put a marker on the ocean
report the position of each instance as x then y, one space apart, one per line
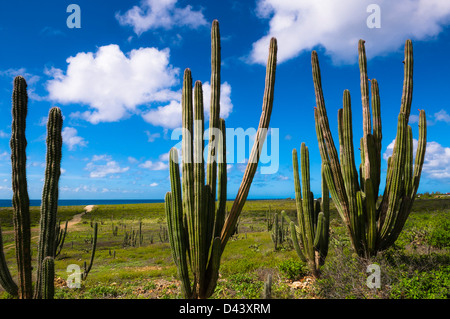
85 202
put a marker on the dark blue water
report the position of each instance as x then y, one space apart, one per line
84 202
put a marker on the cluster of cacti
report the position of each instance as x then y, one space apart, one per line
198 231
21 215
278 231
373 226
163 234
311 235
269 219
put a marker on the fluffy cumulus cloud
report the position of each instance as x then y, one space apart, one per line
338 25
169 116
114 84
437 159
72 139
165 14
103 165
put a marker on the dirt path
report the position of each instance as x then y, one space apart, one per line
70 225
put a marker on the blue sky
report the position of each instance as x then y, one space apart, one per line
118 78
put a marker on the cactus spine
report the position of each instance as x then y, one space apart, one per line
21 215
198 231
311 236
372 227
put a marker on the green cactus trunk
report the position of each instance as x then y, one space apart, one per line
197 228
21 200
311 236
372 226
49 205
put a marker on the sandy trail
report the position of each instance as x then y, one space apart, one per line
70 225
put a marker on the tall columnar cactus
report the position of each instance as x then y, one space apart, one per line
20 201
21 212
373 226
49 204
311 235
198 230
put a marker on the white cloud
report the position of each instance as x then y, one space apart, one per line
154 166
154 14
437 159
169 116
31 79
154 184
132 160
442 116
338 25
70 137
108 166
112 83
151 137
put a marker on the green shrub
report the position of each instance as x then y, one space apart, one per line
423 285
246 285
293 269
440 235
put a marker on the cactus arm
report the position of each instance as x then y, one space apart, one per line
420 154
377 134
215 108
409 198
222 181
367 127
407 80
397 186
188 162
199 218
294 236
20 200
329 152
298 199
261 133
307 204
349 172
212 273
176 225
371 217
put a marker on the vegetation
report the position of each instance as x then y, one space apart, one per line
412 268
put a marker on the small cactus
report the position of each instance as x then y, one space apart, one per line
311 236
